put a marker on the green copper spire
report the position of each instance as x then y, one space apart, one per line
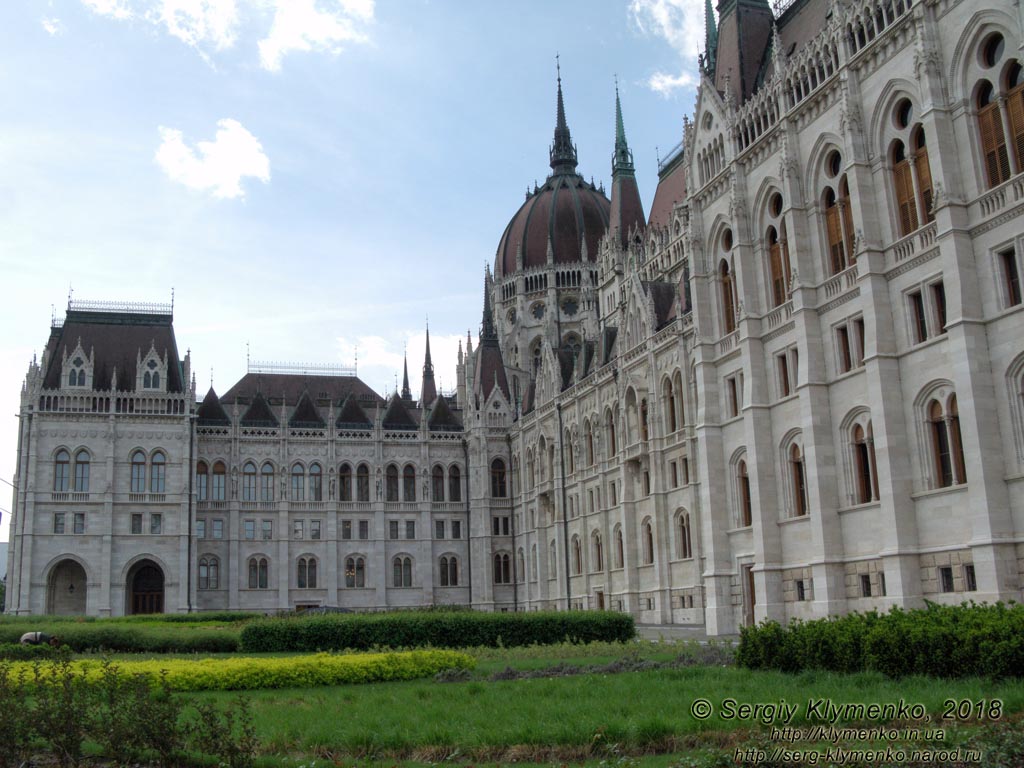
622 162
710 37
563 153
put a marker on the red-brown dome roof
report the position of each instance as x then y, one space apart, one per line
567 211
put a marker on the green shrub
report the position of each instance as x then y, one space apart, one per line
438 629
130 637
939 640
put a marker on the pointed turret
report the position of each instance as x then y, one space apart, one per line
490 367
710 38
563 153
627 211
428 391
406 392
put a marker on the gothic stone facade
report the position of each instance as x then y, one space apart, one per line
795 389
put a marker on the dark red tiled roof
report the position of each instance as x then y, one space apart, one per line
441 417
490 368
664 297
352 416
397 415
306 415
290 387
259 413
211 411
115 339
627 212
671 190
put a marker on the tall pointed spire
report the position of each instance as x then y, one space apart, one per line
710 37
563 153
622 162
487 330
406 392
428 391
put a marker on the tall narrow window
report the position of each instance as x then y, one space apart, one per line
834 230
402 576
363 483
685 537
782 360
1011 277
746 511
157 473
219 482
993 141
316 483
940 445
648 542
906 205
939 300
577 558
267 482
82 471
956 445
138 472
670 408
796 463
619 550
918 318
202 481
437 484
355 572
62 471
409 483
863 466
454 484
298 483
728 297
498 489
391 483
306 576
598 552
843 343
778 274
1015 109
924 174
345 482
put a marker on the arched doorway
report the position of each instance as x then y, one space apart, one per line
65 589
145 588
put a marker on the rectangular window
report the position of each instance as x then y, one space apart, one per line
614 496
1011 277
58 522
250 529
970 580
218 528
858 342
946 578
843 341
732 395
439 529
686 471
647 483
456 529
782 363
881 583
939 297
495 526
505 526
136 523
801 594
865 585
364 529
314 530
200 528
392 529
297 529
218 485
673 469
266 530
919 324
79 522
346 529
410 529
201 480
155 522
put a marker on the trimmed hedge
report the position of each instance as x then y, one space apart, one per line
247 673
134 637
939 640
221 617
457 629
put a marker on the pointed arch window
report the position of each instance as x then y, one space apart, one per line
746 511
796 467
437 484
448 568
648 542
993 140
355 572
209 572
316 483
306 576
577 556
728 297
520 573
345 482
402 571
685 536
267 482
866 480
391 483
298 483
498 486
259 571
598 547
619 548
502 568
62 471
409 483
138 484
158 473
249 481
202 481
219 490
454 484
903 181
363 483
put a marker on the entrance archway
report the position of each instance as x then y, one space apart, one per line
145 588
65 589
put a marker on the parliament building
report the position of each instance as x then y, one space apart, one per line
792 387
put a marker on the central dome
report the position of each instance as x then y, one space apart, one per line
566 216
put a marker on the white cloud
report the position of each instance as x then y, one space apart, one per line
299 25
680 23
199 22
380 359
119 9
52 26
216 166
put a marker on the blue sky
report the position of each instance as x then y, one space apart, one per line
309 176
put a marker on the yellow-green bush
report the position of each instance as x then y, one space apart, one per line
250 673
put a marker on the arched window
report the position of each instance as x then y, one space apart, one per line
62 471
777 248
956 444
409 483
138 472
1014 87
448 567
437 484
520 566
610 424
267 482
838 214
258 573
502 569
157 473
577 556
249 482
391 483
202 481
298 483
940 445
306 578
533 562
363 483
993 140
345 482
685 542
219 481
355 572
903 181
316 483
209 572
648 542
402 568
746 511
598 551
728 297
796 467
552 560
454 484
866 481
82 471
498 489
619 549
643 420
671 424
925 193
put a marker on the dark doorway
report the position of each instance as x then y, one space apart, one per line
146 588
